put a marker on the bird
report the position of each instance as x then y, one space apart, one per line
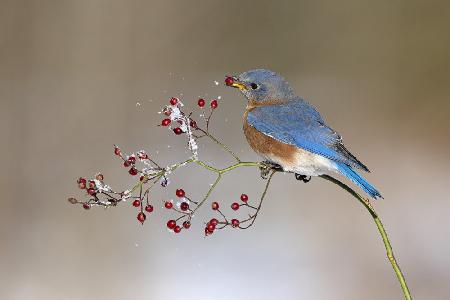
288 132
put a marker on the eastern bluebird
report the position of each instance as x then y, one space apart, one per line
288 131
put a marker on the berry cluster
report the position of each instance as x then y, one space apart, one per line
185 207
214 224
174 113
151 173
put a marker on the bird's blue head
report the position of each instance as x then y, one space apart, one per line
262 87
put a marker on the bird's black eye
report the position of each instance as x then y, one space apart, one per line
254 86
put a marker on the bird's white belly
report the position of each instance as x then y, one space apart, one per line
305 163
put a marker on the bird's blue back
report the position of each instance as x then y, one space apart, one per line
298 123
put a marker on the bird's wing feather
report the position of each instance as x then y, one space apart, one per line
298 123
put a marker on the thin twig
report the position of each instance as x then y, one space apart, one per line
253 217
382 231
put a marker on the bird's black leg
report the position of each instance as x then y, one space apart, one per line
266 167
303 178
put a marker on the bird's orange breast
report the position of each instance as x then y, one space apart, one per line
267 146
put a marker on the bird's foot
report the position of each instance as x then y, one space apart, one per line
265 168
303 178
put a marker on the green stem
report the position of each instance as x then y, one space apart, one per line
382 231
208 193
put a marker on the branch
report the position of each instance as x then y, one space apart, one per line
100 194
381 230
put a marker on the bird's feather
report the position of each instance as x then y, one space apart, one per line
298 123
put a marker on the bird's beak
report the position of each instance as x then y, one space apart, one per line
234 82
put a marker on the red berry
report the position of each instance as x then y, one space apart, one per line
142 155
86 206
173 101
244 198
214 104
81 183
186 224
171 224
133 171
177 131
184 206
149 208
214 222
193 124
235 223
201 102
229 81
215 206
180 193
131 159
208 230
117 150
168 204
167 111
91 184
235 206
126 163
165 122
211 228
91 191
177 229
141 217
99 177
136 203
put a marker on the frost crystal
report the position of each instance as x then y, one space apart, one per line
178 116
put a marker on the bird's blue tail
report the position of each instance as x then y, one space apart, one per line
359 180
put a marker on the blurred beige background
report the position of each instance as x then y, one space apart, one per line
71 73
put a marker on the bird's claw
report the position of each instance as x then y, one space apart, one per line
265 168
303 178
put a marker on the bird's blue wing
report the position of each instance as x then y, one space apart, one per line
298 123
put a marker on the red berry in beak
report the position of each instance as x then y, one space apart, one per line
229 81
